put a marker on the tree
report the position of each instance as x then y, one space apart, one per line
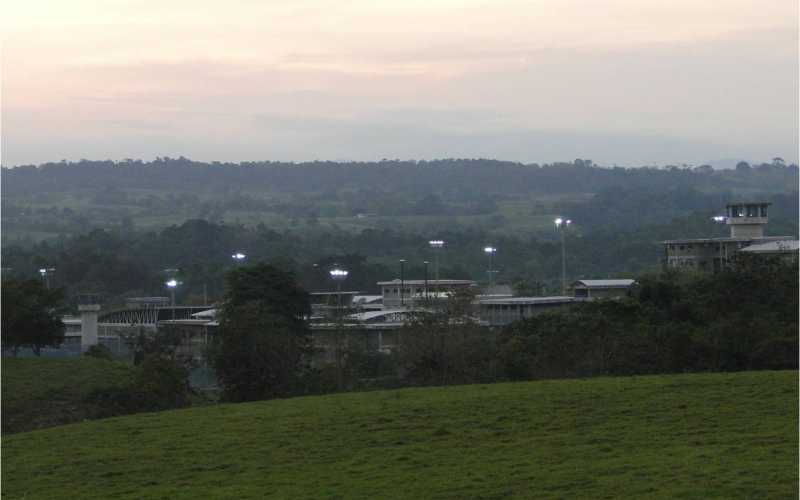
263 342
31 316
447 346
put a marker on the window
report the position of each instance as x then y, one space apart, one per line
763 210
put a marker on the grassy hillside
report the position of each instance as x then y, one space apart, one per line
41 392
687 436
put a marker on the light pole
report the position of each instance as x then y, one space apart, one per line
172 285
338 275
561 225
45 272
719 219
402 282
491 251
426 282
437 246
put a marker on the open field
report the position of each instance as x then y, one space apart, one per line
686 436
43 392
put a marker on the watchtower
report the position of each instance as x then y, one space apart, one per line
747 220
89 307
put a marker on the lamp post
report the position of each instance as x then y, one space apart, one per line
491 251
437 246
561 225
45 272
426 282
402 282
172 285
338 275
719 219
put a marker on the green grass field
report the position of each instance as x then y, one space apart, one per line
686 436
41 392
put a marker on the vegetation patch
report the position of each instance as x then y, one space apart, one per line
679 436
44 392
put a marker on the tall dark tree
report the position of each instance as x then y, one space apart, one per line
31 316
264 343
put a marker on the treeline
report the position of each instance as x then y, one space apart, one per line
125 262
744 318
450 177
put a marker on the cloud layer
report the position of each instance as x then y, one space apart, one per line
628 82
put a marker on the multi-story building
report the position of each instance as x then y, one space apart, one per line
746 221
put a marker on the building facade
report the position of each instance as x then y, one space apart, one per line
746 222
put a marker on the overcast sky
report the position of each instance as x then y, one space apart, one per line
627 82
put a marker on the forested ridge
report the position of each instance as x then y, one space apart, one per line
456 175
113 227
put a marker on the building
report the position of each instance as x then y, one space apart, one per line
498 312
410 293
785 249
602 289
746 222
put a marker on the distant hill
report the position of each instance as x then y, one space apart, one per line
684 436
435 176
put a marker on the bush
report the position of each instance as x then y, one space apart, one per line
160 383
100 352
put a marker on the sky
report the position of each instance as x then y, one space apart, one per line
627 82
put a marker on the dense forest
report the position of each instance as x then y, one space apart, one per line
113 227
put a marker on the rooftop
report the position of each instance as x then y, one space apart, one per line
529 300
774 247
620 283
727 239
430 282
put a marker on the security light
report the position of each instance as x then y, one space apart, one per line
338 274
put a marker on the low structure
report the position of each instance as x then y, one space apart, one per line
498 312
411 293
602 289
785 249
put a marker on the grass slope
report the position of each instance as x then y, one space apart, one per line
42 392
686 436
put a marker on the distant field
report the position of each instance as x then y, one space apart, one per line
42 392
687 436
523 215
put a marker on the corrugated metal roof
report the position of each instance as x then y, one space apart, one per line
605 283
367 299
774 247
430 282
366 316
209 313
528 300
724 239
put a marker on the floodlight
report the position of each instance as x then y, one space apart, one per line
338 274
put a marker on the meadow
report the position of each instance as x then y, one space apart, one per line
680 436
